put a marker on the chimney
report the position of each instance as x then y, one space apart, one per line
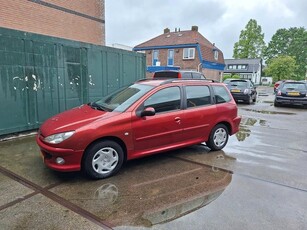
166 30
194 28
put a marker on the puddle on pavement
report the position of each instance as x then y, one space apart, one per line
150 191
244 131
268 112
22 156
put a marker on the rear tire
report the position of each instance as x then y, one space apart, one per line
218 137
276 104
103 159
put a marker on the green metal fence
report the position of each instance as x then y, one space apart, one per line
41 76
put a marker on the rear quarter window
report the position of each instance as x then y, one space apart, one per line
221 94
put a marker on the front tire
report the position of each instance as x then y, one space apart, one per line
218 137
249 100
103 159
255 98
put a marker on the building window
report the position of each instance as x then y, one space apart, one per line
230 67
170 57
155 57
216 54
188 53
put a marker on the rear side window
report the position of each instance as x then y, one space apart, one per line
186 75
198 96
198 76
221 94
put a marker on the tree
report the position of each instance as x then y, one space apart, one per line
281 67
290 42
251 42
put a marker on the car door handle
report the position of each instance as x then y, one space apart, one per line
178 120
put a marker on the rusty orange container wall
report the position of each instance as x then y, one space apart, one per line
41 76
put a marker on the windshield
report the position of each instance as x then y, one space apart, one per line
121 99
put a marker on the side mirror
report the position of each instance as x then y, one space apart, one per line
149 111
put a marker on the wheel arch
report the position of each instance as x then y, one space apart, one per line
227 124
107 138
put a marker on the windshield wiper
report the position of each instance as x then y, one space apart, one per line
96 106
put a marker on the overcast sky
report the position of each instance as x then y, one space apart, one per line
131 22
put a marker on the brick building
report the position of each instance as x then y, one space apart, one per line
77 20
183 50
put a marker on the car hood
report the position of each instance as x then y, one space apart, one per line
72 119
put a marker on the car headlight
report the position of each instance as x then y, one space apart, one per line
59 137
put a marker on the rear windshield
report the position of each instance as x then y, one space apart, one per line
166 74
238 84
294 86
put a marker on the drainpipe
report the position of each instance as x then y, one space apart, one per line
198 67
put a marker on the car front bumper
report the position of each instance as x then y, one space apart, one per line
49 154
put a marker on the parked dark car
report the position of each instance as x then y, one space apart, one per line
183 74
145 118
291 93
243 90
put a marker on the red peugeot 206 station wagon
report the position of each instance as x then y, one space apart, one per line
145 118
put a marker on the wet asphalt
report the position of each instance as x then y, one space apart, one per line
258 181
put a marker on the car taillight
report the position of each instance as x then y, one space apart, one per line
179 75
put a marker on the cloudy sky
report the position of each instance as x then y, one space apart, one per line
131 22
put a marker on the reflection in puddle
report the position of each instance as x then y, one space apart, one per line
244 131
268 112
147 194
107 192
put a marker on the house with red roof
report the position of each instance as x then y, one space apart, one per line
187 50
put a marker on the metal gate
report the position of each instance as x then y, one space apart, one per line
41 76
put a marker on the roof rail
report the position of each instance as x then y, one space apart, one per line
143 79
185 79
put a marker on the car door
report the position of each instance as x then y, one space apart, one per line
200 113
163 129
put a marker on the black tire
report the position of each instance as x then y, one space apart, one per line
103 159
255 98
276 104
249 100
218 137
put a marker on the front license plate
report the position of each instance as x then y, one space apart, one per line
293 93
235 90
